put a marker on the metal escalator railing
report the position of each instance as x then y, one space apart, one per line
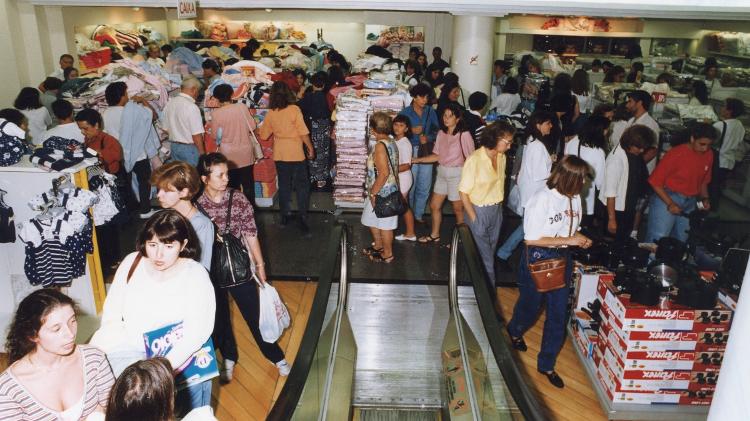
465 262
334 267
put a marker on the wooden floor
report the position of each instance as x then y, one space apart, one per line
256 382
577 400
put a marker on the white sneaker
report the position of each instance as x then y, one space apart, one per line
284 368
226 373
402 237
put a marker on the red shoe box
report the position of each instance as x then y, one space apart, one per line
685 397
632 341
630 316
665 380
663 360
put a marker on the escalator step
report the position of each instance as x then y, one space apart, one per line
384 414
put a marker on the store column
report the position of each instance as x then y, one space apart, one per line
472 55
730 399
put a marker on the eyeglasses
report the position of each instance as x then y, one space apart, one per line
506 141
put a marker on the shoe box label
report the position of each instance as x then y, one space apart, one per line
630 317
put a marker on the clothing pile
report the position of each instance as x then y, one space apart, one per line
58 153
250 80
58 239
351 148
89 92
110 202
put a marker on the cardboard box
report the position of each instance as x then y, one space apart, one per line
728 299
631 341
585 338
666 380
636 317
587 282
685 397
663 360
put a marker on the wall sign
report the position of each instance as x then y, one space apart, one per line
187 9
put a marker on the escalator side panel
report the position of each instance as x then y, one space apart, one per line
342 385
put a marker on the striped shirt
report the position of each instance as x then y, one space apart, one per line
17 404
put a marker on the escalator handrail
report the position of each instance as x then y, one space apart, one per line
288 398
522 395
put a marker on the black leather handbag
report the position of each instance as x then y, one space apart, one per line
393 204
230 263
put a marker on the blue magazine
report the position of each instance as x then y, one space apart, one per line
200 367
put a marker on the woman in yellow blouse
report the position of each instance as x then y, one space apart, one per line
482 191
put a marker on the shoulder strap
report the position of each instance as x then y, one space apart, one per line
461 144
133 266
579 148
390 164
723 133
229 211
570 205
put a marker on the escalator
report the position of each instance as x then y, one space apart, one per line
377 352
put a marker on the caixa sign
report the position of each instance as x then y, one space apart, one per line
187 9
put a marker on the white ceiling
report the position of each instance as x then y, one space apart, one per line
663 9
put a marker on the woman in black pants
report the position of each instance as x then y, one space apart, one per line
214 173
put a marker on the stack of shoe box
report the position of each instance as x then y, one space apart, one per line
667 354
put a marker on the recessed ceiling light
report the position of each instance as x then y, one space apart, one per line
269 10
136 8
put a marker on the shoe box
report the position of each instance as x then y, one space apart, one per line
585 338
624 342
610 384
629 316
659 380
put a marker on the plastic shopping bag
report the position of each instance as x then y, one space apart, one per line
274 317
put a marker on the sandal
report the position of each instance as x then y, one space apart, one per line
378 258
369 251
428 239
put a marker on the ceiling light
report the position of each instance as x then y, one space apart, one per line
269 10
136 8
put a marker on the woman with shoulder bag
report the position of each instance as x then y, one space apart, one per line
454 143
382 183
236 125
160 284
218 202
550 225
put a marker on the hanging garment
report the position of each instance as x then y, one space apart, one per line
48 261
7 227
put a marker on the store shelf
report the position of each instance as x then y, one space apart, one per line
280 41
635 411
716 53
398 43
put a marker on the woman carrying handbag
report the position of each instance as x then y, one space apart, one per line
550 224
384 200
233 214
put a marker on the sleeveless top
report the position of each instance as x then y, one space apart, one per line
391 183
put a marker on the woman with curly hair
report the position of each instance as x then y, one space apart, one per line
50 377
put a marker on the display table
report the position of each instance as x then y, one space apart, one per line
22 182
618 411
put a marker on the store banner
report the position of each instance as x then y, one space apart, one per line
187 9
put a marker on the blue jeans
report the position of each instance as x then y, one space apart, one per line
510 244
662 223
526 311
193 397
185 152
420 191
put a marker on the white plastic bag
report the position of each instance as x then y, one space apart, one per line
274 317
514 200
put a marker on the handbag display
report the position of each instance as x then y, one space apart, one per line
394 204
549 274
230 263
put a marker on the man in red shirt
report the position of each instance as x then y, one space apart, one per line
680 181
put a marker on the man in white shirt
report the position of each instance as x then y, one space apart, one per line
730 147
66 60
66 128
183 122
637 104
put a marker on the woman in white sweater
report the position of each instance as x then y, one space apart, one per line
159 284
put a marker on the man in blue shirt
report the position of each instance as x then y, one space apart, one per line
424 128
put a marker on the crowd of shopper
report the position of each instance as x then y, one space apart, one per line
576 170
